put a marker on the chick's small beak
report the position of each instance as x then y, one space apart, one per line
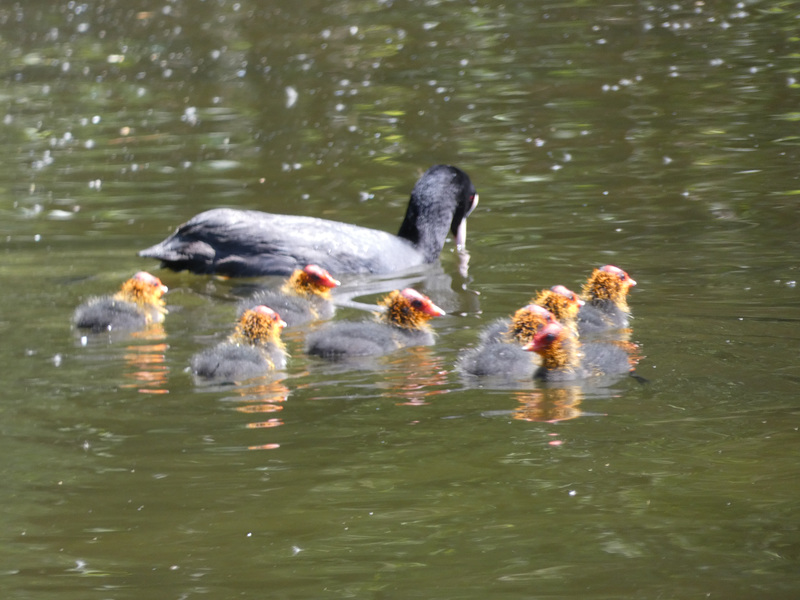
434 311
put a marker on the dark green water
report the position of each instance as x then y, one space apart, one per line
662 137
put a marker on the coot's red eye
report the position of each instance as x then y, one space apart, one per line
473 202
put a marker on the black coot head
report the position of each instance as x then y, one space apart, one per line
467 198
440 201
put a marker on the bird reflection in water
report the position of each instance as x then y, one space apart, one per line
148 373
261 400
549 405
415 375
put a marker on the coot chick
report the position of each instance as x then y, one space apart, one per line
606 305
244 243
254 349
563 304
403 322
306 296
138 303
500 352
564 358
560 304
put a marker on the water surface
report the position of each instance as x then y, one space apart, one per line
661 137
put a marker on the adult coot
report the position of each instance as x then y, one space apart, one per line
242 243
138 303
254 349
564 358
306 296
403 322
606 308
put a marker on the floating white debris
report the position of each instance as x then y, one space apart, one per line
190 115
291 96
223 165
